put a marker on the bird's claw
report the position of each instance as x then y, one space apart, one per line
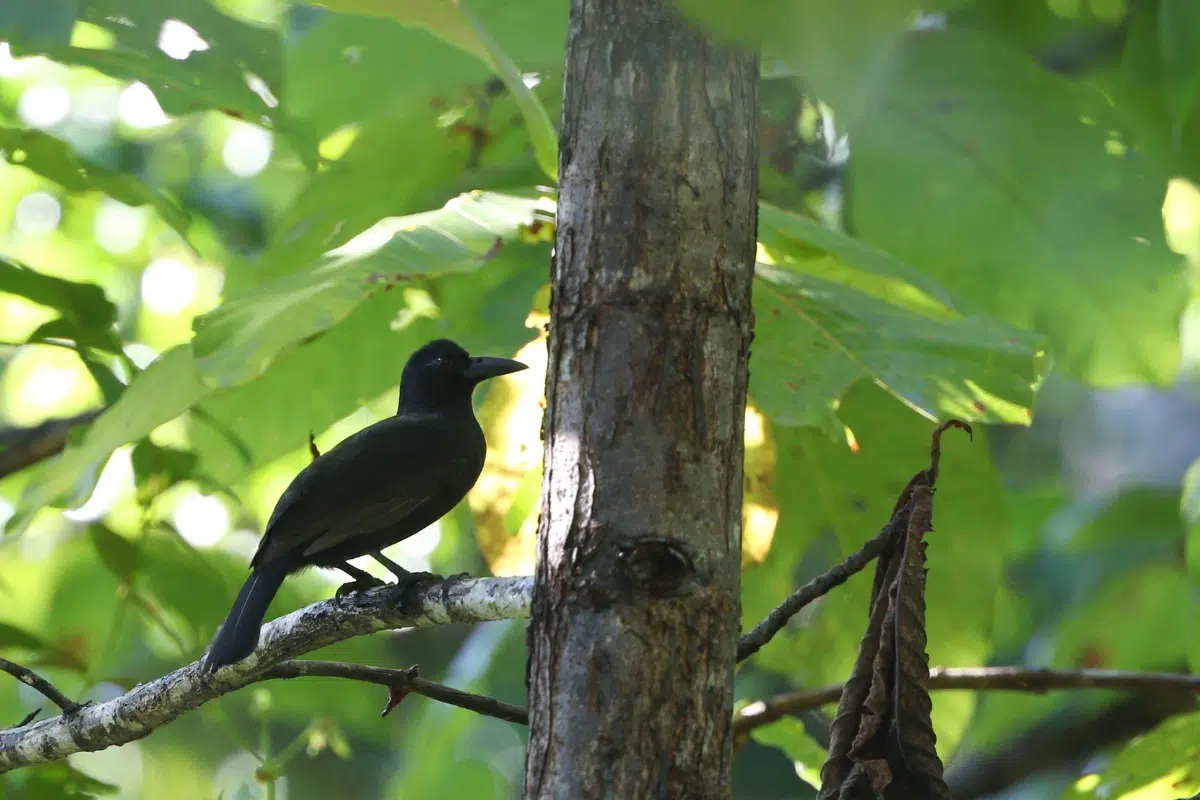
356 586
402 591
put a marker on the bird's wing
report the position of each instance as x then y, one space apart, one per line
371 480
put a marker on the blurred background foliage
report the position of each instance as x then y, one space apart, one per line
227 224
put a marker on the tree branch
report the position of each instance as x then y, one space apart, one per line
399 679
45 687
147 707
1012 679
1065 738
24 447
819 586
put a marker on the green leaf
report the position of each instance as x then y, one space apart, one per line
121 556
1151 97
240 339
1190 510
12 636
161 392
1179 41
106 380
229 65
1162 763
445 62
469 31
1013 187
788 734
833 499
156 469
60 781
842 49
56 160
183 583
367 184
368 53
423 40
1142 619
82 305
798 241
813 339
314 385
541 131
48 22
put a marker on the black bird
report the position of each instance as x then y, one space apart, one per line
375 488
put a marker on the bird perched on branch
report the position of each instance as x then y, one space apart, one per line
375 488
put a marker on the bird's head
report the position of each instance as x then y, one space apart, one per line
441 376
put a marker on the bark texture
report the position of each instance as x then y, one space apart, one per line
148 706
636 599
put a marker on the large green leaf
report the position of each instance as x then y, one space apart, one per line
842 49
81 305
809 246
307 389
373 180
222 64
167 388
44 22
1014 187
789 735
1190 510
393 67
470 30
542 133
1141 619
434 45
238 340
314 385
56 781
814 338
446 54
833 499
1179 42
1164 762
56 160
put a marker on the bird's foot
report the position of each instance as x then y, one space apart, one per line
403 591
357 585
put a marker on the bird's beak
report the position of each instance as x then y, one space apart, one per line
483 368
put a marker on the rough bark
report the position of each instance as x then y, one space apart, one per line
636 599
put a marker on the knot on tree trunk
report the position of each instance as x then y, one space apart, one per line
656 566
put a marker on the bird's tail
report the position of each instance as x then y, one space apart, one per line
238 634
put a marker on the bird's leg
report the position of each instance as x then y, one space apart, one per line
400 572
362 579
406 581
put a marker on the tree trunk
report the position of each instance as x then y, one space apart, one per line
636 603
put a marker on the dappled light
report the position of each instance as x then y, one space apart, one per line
37 213
247 150
227 225
168 286
44 105
139 108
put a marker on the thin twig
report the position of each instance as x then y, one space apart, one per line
819 586
24 447
43 686
835 576
1009 679
400 678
